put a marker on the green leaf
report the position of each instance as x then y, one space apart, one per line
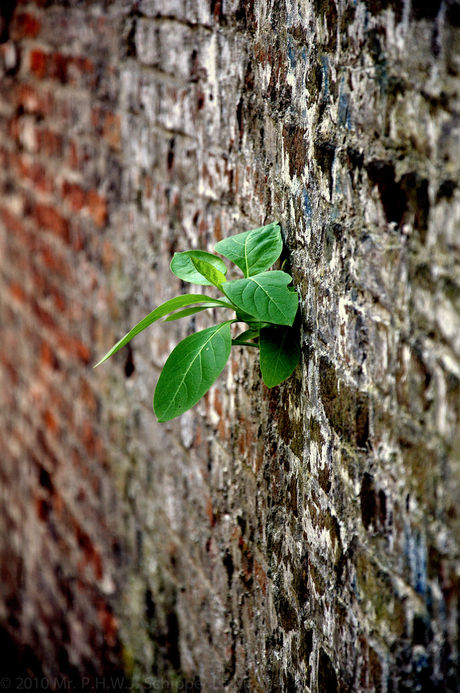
241 316
265 296
213 303
243 338
253 251
279 354
209 272
183 267
160 312
190 370
248 334
187 312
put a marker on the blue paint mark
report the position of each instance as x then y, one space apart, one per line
422 564
307 206
421 663
344 114
292 56
416 555
338 185
325 62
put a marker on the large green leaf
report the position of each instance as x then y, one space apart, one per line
279 354
165 308
265 296
253 251
190 370
209 272
183 267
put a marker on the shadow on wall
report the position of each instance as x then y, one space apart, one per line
17 663
6 13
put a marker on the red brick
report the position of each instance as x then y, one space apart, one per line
217 403
57 67
73 159
48 218
24 25
74 347
36 173
50 421
55 262
97 117
43 509
17 291
47 356
111 130
109 625
94 445
38 63
218 229
43 315
32 101
14 129
88 396
12 222
74 195
107 124
261 576
49 142
97 560
108 255
59 302
148 186
9 368
78 70
4 157
97 206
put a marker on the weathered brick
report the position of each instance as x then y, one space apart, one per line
24 25
111 130
38 63
33 101
97 206
35 172
49 142
74 195
50 219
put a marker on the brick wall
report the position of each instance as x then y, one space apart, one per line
60 553
303 538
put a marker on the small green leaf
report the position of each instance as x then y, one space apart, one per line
213 303
160 312
279 354
190 370
186 313
209 272
253 251
183 267
248 334
244 338
265 296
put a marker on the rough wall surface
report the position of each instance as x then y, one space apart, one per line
303 538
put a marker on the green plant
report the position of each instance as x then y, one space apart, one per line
262 299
